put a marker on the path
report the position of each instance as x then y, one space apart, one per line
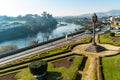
93 67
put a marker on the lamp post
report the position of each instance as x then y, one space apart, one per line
94 20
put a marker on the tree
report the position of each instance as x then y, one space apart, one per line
33 43
112 34
8 48
38 67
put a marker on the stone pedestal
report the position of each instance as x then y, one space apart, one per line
95 48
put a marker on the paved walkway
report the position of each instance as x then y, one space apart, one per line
80 49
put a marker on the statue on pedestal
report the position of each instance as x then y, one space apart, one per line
94 20
94 47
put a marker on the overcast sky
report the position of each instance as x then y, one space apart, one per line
56 7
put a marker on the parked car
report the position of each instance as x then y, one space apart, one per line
117 31
88 31
97 29
105 31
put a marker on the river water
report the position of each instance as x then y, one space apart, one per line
55 33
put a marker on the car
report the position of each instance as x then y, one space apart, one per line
88 32
105 31
97 29
117 31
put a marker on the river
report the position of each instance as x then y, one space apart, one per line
55 33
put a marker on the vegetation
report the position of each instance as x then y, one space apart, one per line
114 25
117 19
85 21
38 67
49 55
107 39
46 54
22 63
112 34
99 68
111 67
25 74
28 26
8 48
54 73
86 68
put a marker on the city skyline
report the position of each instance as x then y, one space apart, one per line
56 7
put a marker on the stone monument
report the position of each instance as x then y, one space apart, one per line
94 47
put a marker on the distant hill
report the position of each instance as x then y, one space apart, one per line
104 14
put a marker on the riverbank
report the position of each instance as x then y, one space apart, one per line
23 42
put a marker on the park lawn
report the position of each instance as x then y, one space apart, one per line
53 73
105 38
111 67
114 25
20 63
53 52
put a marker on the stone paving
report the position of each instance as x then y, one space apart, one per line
110 50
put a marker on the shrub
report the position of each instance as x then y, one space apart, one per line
112 34
8 48
38 67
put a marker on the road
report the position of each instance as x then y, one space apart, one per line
43 48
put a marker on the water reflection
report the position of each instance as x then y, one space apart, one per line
56 33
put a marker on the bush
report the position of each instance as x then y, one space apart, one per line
112 34
8 48
38 67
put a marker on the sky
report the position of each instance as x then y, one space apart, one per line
56 7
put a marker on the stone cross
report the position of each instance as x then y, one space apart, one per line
94 20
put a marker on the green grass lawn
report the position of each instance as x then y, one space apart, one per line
111 67
114 25
53 73
53 52
105 38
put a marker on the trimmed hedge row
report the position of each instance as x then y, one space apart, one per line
46 54
100 67
39 44
18 67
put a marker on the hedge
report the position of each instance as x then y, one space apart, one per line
53 52
38 67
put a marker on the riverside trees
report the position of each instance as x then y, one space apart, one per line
36 23
33 24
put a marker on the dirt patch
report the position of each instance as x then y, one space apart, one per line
107 36
63 63
8 77
116 39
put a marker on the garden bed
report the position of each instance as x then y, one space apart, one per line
63 63
107 39
8 77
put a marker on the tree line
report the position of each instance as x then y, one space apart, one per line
36 23
45 23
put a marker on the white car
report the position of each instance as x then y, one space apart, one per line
97 29
117 31
88 32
